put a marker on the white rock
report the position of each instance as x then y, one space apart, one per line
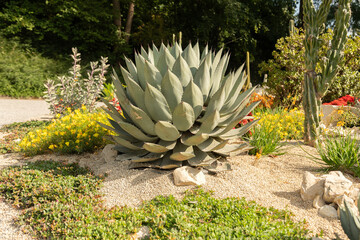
311 186
108 153
353 192
186 175
318 201
335 185
328 211
143 233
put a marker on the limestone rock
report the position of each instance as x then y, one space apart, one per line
311 186
186 175
108 153
335 185
328 211
318 201
353 192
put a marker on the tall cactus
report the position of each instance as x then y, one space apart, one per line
316 84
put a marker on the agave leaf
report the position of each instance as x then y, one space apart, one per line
204 52
122 149
218 166
190 57
242 99
132 69
191 140
146 158
193 96
155 53
197 50
237 132
152 75
167 163
182 70
233 149
127 144
182 152
113 113
234 93
215 62
136 133
172 89
202 79
210 122
201 159
242 114
165 62
166 131
160 147
144 53
176 50
140 65
215 104
217 76
156 104
119 131
183 116
211 144
134 90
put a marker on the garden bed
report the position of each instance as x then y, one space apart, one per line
271 182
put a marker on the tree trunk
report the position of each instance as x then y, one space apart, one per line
301 15
117 16
129 20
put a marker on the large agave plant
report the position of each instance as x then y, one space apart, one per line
179 107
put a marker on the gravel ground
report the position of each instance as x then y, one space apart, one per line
271 182
21 110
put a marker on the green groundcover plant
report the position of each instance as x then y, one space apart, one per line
61 201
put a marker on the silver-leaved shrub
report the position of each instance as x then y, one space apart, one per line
73 90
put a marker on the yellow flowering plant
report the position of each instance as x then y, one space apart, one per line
287 123
75 132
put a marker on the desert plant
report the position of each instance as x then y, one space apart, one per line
315 83
76 132
179 108
350 221
339 152
73 91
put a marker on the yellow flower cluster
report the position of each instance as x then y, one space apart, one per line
76 132
288 124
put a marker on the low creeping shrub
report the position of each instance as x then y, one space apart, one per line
80 215
76 132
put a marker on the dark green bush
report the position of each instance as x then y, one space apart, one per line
23 71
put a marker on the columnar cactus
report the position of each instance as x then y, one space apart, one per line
179 107
316 84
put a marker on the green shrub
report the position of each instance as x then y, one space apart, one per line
339 153
76 132
23 71
65 205
286 69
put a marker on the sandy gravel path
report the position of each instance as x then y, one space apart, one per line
21 110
